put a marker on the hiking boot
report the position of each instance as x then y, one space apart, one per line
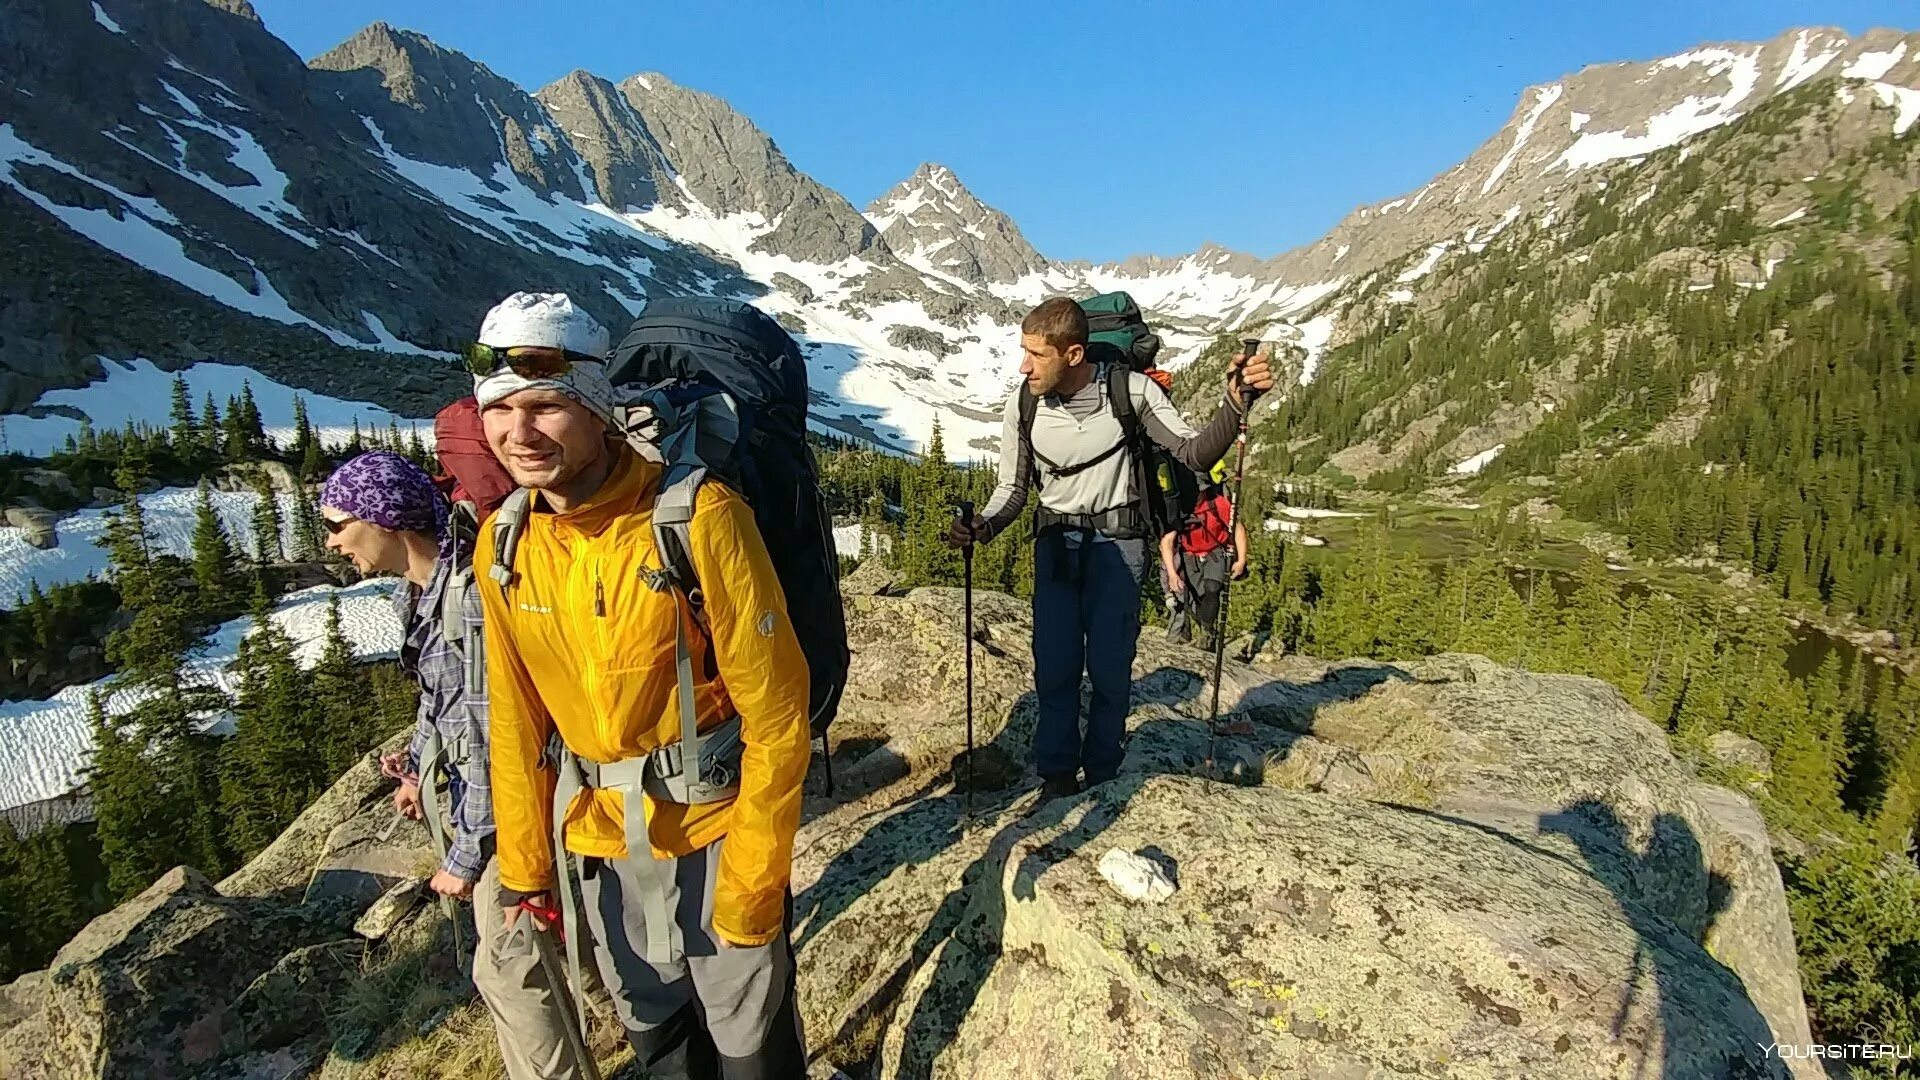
1058 787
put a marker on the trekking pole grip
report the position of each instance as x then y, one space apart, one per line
1249 348
965 514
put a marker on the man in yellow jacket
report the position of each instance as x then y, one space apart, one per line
691 933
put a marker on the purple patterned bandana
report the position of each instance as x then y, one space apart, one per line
386 489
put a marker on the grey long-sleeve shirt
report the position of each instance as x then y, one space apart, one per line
1081 427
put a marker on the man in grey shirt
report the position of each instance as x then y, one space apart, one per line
1092 526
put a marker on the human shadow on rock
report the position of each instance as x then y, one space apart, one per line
1708 1026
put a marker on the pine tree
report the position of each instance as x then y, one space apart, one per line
43 900
270 769
304 439
252 427
186 430
214 572
308 544
236 438
338 698
267 541
211 426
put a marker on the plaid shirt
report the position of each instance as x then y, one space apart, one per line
444 702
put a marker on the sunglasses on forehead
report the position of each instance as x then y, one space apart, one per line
526 361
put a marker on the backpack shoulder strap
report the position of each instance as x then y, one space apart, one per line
1120 400
509 523
1029 404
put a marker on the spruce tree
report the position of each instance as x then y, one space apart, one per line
304 439
236 436
338 698
308 544
211 427
214 570
267 542
185 429
252 427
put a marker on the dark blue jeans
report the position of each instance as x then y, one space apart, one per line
1086 618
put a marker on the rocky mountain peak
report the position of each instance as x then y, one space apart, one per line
434 104
935 223
728 165
609 136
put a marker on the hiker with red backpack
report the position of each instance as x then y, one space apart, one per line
382 512
1082 434
1200 557
653 704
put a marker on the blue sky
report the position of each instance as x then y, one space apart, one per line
1103 129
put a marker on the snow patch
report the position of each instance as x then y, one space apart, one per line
1342 252
1474 464
1691 116
1400 296
100 17
1308 513
48 744
1577 121
1795 216
1874 65
1426 265
1543 100
1801 65
1905 99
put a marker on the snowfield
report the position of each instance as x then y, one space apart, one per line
45 746
169 515
139 392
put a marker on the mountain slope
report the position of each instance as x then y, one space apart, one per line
1710 352
329 223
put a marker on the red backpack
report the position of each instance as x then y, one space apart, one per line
469 473
1207 527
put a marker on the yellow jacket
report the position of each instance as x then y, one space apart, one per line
580 642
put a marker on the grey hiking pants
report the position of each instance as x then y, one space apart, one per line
716 1011
525 991
1206 580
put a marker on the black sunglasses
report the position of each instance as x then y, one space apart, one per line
334 525
526 361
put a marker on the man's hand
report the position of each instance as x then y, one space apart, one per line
406 801
511 913
452 885
1176 585
1253 373
961 533
1239 568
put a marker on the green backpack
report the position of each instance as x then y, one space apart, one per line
1116 331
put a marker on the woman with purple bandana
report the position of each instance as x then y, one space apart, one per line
383 512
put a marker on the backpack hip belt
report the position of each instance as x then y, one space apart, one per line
1118 523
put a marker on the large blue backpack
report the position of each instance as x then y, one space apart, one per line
716 391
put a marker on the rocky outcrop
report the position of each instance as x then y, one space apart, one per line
159 986
1445 859
1439 866
36 526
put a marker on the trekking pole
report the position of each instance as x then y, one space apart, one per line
1248 348
966 555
